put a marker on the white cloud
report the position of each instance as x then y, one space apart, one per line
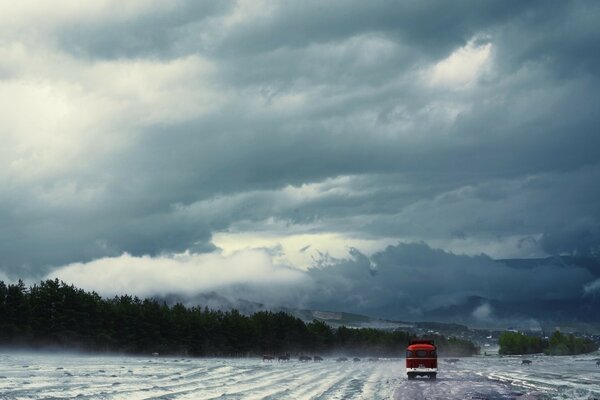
63 113
462 67
184 273
291 248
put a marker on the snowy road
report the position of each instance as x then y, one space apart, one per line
37 376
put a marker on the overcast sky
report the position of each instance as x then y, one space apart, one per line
189 145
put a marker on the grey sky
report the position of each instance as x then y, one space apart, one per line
156 129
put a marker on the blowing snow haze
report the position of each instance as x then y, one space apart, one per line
409 160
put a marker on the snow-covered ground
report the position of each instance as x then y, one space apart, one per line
54 376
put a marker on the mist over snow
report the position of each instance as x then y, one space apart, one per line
370 157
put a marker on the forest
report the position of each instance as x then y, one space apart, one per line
559 344
52 314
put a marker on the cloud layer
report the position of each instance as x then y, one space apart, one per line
185 273
170 128
408 281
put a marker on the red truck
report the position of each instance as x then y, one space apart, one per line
421 359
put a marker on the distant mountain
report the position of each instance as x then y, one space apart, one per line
215 301
582 311
577 312
334 319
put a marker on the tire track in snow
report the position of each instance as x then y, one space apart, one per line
341 389
255 386
315 387
292 388
215 381
39 376
383 381
454 386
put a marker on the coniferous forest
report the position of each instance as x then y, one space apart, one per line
52 314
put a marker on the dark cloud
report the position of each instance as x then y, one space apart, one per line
433 27
562 37
321 118
579 238
414 281
151 33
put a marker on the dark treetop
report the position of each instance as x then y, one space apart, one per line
54 314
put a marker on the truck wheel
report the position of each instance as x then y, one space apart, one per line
411 376
433 377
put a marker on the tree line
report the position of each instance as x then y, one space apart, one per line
558 344
54 314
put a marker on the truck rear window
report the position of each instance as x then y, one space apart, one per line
420 354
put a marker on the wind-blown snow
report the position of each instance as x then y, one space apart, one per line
42 376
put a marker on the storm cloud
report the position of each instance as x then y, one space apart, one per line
413 280
203 128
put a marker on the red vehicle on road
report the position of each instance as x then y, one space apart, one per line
421 359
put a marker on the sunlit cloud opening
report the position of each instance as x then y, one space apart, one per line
463 67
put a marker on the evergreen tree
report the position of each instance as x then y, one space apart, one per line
53 313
